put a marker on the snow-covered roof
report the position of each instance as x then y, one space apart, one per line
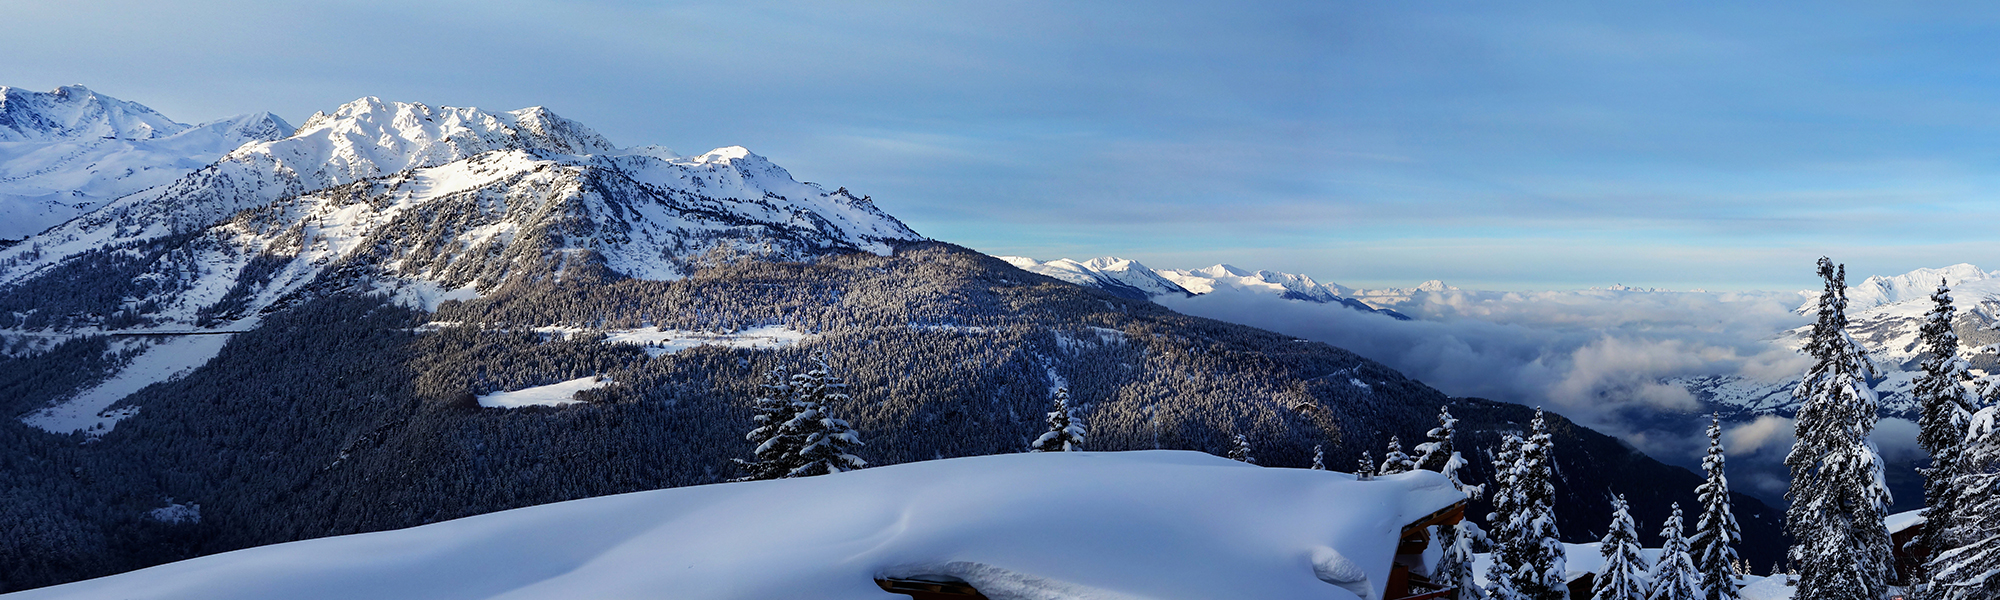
1152 524
1904 520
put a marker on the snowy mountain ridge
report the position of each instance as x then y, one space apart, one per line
362 139
1126 278
1131 279
74 112
397 194
1878 290
66 152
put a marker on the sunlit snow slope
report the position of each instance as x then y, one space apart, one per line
1150 524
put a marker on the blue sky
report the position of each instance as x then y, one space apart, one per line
1538 146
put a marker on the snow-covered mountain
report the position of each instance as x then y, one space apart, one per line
1884 314
1143 524
403 196
65 152
1130 279
1125 278
74 112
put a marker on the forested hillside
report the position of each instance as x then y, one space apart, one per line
345 412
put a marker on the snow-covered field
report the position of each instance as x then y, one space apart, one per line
168 360
1078 525
554 394
661 342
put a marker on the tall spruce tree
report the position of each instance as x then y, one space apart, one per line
1674 576
1394 460
1970 569
1065 434
1716 532
1945 405
1436 453
1838 498
1624 574
1506 499
773 449
826 443
1543 570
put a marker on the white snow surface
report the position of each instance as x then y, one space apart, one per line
554 394
1041 526
1775 587
66 152
89 410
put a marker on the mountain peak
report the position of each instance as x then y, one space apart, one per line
1223 270
76 112
726 154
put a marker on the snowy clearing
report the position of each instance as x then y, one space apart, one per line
1150 524
554 394
661 342
165 361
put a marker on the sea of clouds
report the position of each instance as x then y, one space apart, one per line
1599 357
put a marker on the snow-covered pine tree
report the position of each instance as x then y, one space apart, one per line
772 451
1674 576
1498 586
1454 565
1506 500
1394 460
1838 498
1436 452
1065 434
1319 458
826 443
1365 469
1542 571
1944 406
1716 532
1971 568
1624 573
1439 455
1242 450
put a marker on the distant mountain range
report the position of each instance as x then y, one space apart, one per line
1130 279
66 152
306 336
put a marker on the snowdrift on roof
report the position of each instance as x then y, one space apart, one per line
1152 524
